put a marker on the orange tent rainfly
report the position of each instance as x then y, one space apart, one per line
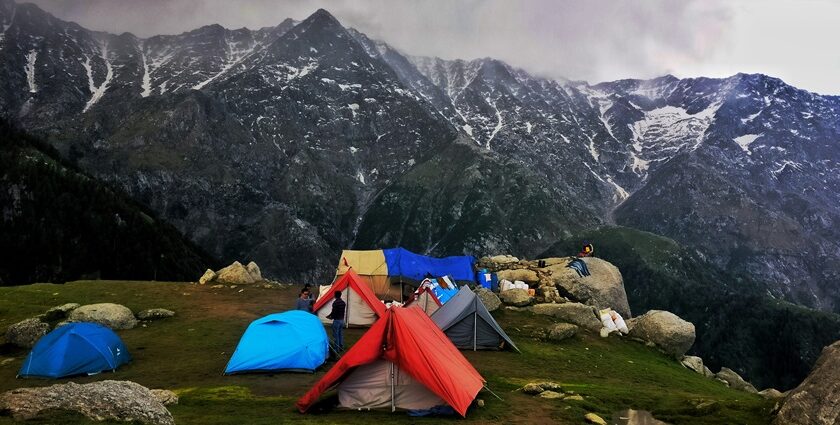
363 308
403 362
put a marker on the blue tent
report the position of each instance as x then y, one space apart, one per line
290 341
75 349
414 267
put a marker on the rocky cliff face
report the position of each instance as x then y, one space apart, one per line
285 144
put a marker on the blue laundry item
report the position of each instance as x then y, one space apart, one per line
580 267
415 267
290 341
75 349
487 280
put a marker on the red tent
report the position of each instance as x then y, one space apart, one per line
363 308
417 358
425 298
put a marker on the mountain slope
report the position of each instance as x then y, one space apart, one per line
59 224
770 342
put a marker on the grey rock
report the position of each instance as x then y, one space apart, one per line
575 313
488 298
26 332
254 271
532 388
165 397
515 297
103 400
771 394
604 288
60 311
234 274
551 394
207 277
562 331
696 364
155 314
114 316
735 381
665 329
815 401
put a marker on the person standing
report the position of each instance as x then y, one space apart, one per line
337 316
304 301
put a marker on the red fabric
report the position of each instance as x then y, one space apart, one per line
409 339
358 286
421 290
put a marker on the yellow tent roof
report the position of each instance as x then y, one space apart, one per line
371 263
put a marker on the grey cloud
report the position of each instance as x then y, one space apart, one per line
594 40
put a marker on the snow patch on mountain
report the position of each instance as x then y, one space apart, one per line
31 57
746 140
98 91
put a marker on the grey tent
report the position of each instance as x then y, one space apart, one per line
468 324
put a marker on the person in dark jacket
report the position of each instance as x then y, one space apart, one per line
337 316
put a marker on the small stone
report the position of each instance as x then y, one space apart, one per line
562 331
594 419
771 394
532 388
551 394
165 397
217 286
480 403
155 314
208 276
60 312
551 386
575 397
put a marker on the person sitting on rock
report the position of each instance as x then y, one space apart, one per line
588 250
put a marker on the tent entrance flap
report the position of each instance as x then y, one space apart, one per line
383 385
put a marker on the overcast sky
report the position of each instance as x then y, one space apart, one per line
593 40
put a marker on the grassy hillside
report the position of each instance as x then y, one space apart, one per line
770 342
58 224
188 352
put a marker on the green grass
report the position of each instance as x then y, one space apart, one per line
187 354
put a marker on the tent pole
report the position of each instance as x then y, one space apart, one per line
475 328
393 402
347 310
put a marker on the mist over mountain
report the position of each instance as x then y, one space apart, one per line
285 144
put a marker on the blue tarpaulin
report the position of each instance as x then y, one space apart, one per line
404 263
75 349
290 341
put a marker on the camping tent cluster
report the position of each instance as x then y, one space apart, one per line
408 359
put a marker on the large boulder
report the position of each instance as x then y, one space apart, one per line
497 262
734 380
207 277
124 401
525 275
603 288
60 312
665 329
575 313
26 332
155 314
515 297
114 316
815 401
235 274
488 298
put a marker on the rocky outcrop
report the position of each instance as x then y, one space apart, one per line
26 332
114 316
155 314
488 298
562 331
105 400
815 401
234 274
735 381
515 297
771 394
603 288
497 262
666 330
60 312
575 313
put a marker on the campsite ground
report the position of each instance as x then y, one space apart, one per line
188 352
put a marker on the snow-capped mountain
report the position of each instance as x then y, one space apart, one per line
286 144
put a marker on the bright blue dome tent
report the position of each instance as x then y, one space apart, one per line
294 341
75 349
